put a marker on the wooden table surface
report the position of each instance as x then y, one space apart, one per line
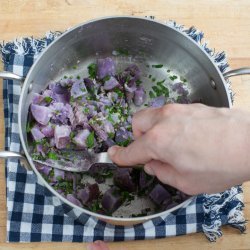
226 24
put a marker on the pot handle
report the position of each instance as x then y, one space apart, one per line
10 76
15 155
237 72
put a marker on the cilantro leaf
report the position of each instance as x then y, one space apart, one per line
52 156
90 141
92 68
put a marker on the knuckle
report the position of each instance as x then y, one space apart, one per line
169 109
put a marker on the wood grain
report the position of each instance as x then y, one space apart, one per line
226 25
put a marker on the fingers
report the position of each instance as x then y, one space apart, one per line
163 171
138 152
145 120
97 245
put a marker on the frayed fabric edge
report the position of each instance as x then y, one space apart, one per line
27 46
224 208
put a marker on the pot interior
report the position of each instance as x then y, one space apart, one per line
126 39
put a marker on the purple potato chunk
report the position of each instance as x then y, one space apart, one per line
43 168
170 205
124 180
37 99
78 89
179 89
159 195
145 180
183 100
88 194
123 137
105 67
182 196
72 198
111 200
111 83
59 93
62 113
62 136
48 130
41 114
158 102
58 174
81 137
139 96
36 133
89 84
80 117
134 71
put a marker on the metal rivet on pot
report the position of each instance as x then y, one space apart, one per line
213 84
30 88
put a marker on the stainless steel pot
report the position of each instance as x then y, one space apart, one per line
159 44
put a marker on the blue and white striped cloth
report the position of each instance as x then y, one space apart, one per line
33 218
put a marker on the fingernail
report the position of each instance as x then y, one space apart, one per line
149 170
112 151
89 246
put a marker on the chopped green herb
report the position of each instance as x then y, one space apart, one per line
72 135
168 70
127 196
138 82
86 110
106 78
30 125
52 155
149 76
184 80
119 92
90 141
153 79
65 77
72 99
111 135
43 142
160 82
110 118
156 89
78 77
151 94
158 66
48 99
124 143
95 206
92 68
66 186
122 52
172 78
146 105
59 178
36 156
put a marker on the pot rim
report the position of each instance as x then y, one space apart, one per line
30 161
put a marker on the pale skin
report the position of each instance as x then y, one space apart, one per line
195 148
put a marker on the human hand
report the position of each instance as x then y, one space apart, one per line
100 245
97 245
194 148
